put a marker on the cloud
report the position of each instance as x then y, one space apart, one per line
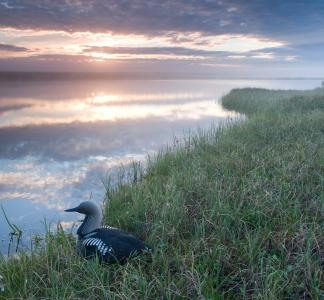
305 52
263 55
194 46
291 58
267 18
276 53
147 50
6 108
100 35
12 48
178 46
154 52
114 15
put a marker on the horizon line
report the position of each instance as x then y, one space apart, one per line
97 75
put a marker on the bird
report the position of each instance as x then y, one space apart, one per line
109 244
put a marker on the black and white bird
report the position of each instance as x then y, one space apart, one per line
108 243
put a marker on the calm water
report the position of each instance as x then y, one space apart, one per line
60 139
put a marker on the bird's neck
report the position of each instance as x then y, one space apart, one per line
90 223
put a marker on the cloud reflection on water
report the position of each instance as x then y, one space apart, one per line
100 107
78 140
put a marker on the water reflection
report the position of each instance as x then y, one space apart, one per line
59 139
108 106
89 110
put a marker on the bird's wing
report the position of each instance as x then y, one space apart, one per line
112 244
124 244
95 244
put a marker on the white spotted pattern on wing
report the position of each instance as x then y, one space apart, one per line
101 246
107 227
88 241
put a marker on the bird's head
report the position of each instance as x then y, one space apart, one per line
88 208
92 219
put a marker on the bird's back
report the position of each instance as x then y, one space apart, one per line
111 244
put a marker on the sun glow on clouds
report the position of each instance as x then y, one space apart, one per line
226 42
80 43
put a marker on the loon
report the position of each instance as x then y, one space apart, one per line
108 243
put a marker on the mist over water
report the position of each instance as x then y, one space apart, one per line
60 139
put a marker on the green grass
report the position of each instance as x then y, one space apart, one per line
235 212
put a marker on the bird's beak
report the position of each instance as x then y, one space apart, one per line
72 209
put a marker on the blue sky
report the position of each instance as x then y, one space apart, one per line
222 38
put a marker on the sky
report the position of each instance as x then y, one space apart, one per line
255 38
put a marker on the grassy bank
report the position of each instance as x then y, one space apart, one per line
235 212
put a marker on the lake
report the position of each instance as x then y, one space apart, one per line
61 139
